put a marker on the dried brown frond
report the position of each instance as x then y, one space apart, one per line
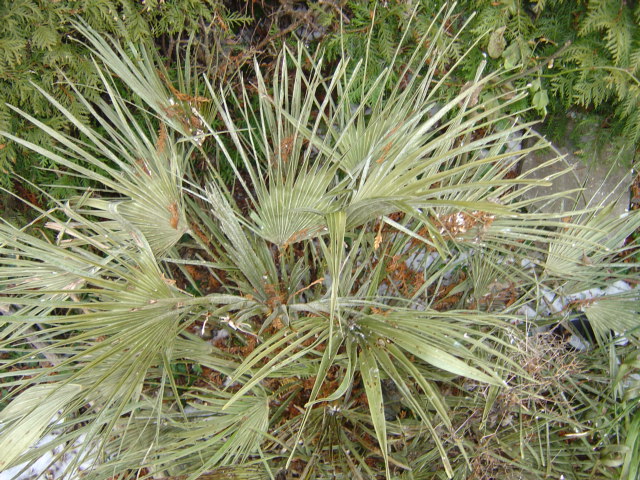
275 297
455 225
406 279
183 97
143 166
161 142
389 145
175 217
300 235
285 148
385 152
198 231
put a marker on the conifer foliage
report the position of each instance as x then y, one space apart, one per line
38 46
581 57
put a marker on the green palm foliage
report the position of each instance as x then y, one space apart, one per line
362 273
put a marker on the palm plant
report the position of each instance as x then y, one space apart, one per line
361 275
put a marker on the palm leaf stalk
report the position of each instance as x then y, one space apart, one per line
363 277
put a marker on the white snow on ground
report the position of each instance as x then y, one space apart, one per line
419 260
552 303
43 466
557 303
